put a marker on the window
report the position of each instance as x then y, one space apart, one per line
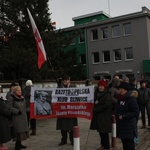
94 34
82 38
116 31
117 55
106 56
73 41
96 57
83 59
127 29
105 33
129 53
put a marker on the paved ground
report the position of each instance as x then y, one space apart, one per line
48 137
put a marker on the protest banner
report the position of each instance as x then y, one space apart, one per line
62 102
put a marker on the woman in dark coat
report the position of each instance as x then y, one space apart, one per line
127 112
5 135
19 117
101 120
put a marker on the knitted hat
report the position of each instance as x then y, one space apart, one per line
103 83
29 83
124 85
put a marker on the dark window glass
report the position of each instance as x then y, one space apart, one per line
83 59
129 53
105 33
116 31
96 57
94 34
127 29
117 54
106 56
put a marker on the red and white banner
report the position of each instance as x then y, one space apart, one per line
62 102
39 42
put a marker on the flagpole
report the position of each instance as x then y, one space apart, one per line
109 7
50 64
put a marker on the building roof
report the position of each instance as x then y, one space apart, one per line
91 14
145 12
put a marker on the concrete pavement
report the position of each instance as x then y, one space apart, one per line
48 137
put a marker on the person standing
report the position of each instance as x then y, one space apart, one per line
66 124
27 94
102 111
144 103
5 134
19 117
127 112
12 85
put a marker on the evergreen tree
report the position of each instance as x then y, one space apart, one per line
18 49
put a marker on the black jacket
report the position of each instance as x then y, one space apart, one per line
101 120
127 107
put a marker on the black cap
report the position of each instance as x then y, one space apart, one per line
125 86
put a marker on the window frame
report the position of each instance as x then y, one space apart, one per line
79 37
80 58
127 48
114 54
93 58
118 31
102 30
92 39
124 29
104 56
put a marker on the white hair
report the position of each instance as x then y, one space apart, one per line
29 83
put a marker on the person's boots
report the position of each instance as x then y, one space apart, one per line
22 146
63 142
17 146
33 132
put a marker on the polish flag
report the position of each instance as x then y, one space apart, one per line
39 42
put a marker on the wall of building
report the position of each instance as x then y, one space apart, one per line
138 40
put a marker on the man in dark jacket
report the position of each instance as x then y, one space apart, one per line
127 112
66 124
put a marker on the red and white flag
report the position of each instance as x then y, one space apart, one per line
39 42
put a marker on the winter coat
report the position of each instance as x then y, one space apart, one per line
128 108
144 96
26 94
66 124
19 120
101 120
5 134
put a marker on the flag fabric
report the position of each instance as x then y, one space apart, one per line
39 42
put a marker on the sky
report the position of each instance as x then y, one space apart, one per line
62 11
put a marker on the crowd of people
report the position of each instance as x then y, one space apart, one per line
123 99
120 98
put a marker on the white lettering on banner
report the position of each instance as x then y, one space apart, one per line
63 107
79 113
61 113
73 113
76 107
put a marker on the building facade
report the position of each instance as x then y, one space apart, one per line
118 45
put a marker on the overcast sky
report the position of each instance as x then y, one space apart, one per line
64 10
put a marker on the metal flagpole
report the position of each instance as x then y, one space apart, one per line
109 7
50 64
